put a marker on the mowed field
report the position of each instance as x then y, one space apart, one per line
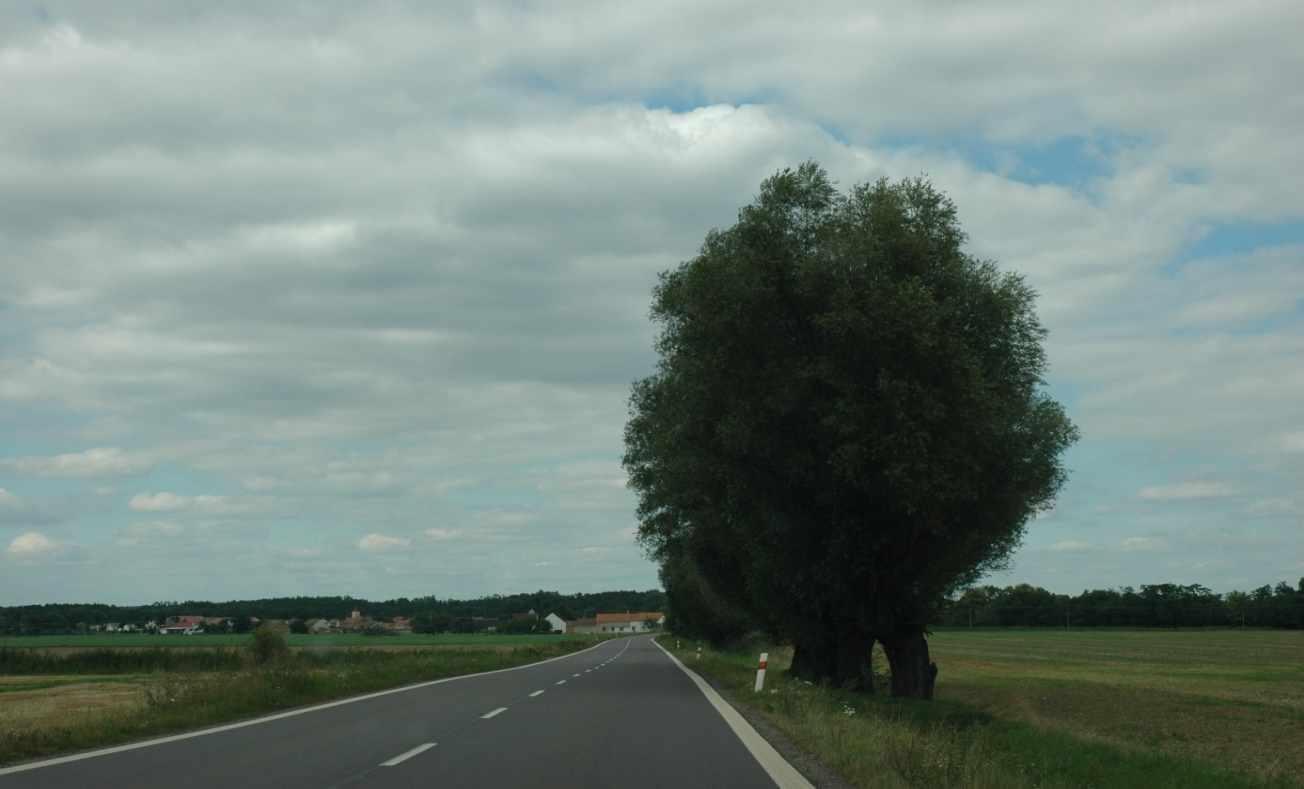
1227 698
136 640
1046 708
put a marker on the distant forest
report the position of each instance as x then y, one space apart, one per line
1156 605
1152 605
60 618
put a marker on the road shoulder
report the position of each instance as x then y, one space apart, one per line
788 765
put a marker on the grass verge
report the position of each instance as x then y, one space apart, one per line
176 701
296 640
880 742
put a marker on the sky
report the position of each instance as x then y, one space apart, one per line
329 299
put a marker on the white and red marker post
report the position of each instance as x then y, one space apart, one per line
760 672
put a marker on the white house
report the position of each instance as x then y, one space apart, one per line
637 622
318 626
558 624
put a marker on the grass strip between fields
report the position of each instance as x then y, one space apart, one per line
170 701
884 743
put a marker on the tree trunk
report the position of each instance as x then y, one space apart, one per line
913 675
812 659
842 662
854 670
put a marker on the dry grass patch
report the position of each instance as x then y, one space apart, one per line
64 704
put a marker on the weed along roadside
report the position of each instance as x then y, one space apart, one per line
134 695
967 739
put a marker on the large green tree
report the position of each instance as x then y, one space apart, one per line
847 420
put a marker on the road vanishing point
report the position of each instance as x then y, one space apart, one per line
623 713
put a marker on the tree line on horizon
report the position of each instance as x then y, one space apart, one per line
429 613
1151 605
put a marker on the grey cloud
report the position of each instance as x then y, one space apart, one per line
379 265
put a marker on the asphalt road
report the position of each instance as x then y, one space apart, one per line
620 714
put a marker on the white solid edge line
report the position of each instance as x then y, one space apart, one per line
784 775
403 757
76 757
494 713
536 693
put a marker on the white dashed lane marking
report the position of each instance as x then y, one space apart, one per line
403 757
492 713
561 682
536 693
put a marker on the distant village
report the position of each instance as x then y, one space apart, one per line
358 623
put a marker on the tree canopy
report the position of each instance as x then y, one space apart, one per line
846 423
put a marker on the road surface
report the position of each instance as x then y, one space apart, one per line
621 714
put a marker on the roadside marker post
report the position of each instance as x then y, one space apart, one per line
760 672
699 651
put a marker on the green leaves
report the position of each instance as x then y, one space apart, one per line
844 397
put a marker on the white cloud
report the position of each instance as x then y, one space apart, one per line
1273 506
8 499
443 534
150 531
165 501
32 545
378 543
1133 544
97 462
1070 546
1182 491
1293 442
159 502
304 553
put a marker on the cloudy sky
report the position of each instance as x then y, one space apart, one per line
335 301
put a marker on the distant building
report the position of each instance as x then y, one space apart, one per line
630 622
558 624
185 624
356 623
582 626
320 626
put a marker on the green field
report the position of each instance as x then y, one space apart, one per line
1047 708
62 696
110 640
